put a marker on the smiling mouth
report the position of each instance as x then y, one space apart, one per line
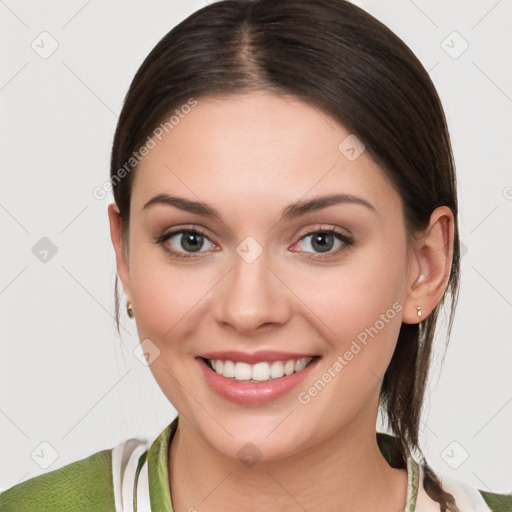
258 372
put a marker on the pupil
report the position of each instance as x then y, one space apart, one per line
190 242
320 244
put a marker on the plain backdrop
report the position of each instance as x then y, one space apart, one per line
69 385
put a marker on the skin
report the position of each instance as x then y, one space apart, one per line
249 157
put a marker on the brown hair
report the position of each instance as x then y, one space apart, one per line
338 58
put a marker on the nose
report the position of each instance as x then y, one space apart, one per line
251 298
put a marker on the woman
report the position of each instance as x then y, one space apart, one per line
285 230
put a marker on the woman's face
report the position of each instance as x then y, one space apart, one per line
264 276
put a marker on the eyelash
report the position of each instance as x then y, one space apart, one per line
346 240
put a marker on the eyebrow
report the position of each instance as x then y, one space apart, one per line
291 211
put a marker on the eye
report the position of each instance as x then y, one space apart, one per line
323 241
183 243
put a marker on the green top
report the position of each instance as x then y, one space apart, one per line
134 477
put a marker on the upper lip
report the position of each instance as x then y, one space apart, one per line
254 357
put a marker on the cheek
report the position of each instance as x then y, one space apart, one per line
355 293
167 297
160 292
358 306
360 317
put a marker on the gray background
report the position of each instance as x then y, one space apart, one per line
69 385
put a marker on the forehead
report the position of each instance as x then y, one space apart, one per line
241 151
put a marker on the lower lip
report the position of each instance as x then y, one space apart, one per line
242 392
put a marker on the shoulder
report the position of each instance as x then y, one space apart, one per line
82 485
467 498
497 502
95 483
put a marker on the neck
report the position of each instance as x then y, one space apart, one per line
345 473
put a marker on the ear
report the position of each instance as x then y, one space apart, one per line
430 264
120 247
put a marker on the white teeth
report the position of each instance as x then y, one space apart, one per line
260 371
229 369
289 367
300 365
242 371
277 369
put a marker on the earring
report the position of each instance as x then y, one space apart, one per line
420 326
129 310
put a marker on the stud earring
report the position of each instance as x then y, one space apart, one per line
129 310
418 311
